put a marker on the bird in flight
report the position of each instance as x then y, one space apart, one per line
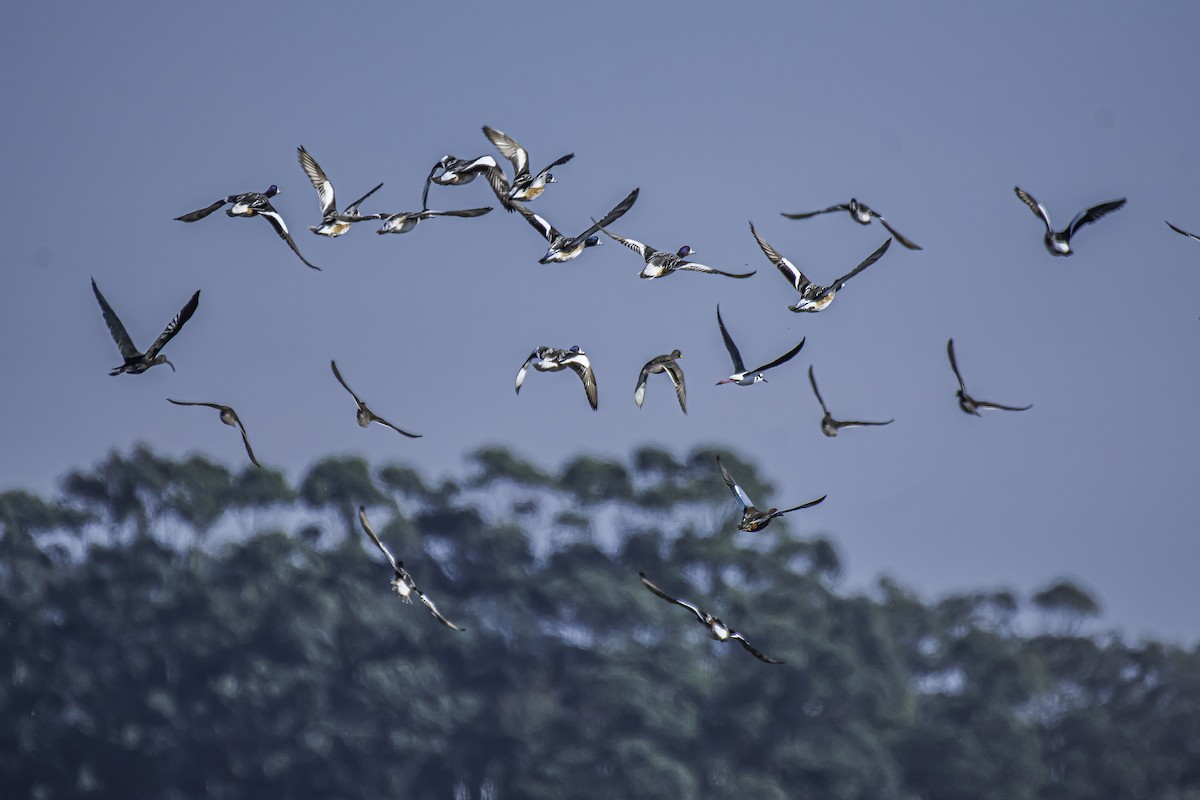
829 425
229 417
402 583
252 204
137 362
1059 242
525 186
716 628
405 221
967 403
563 248
813 296
741 375
660 263
333 222
365 415
754 520
862 214
553 359
665 364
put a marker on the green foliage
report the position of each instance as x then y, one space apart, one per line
158 662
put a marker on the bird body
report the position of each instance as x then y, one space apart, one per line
229 417
405 221
137 362
741 375
754 520
667 364
1059 242
364 415
552 359
402 583
716 628
829 425
862 214
813 297
252 204
966 402
660 263
525 185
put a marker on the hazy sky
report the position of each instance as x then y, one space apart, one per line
118 121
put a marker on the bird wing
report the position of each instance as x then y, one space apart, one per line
246 440
646 581
217 406
272 216
583 368
115 328
556 163
639 391
783 358
192 216
954 366
366 526
812 379
499 184
534 356
548 231
752 650
1034 206
856 424
465 212
175 325
695 267
738 492
809 504
608 219
807 214
645 251
785 267
437 614
1182 231
866 262
352 209
738 366
337 374
376 418
509 148
675 373
904 240
1090 215
320 182
985 404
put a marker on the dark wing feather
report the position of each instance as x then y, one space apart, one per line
1182 231
366 526
786 268
246 441
192 216
812 379
738 366
809 504
608 219
752 650
376 418
954 365
807 214
646 582
115 328
437 614
337 374
985 404
1092 214
904 240
868 261
548 231
783 358
175 325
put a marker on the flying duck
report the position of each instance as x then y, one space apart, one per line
716 629
405 221
525 186
829 425
564 249
452 171
752 519
813 297
674 372
332 223
862 214
365 415
967 403
402 583
743 376
659 263
552 359
137 362
229 417
1059 242
252 204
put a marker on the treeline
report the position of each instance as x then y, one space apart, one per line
174 630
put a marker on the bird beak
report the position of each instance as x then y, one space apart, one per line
169 364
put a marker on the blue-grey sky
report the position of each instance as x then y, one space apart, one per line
118 121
